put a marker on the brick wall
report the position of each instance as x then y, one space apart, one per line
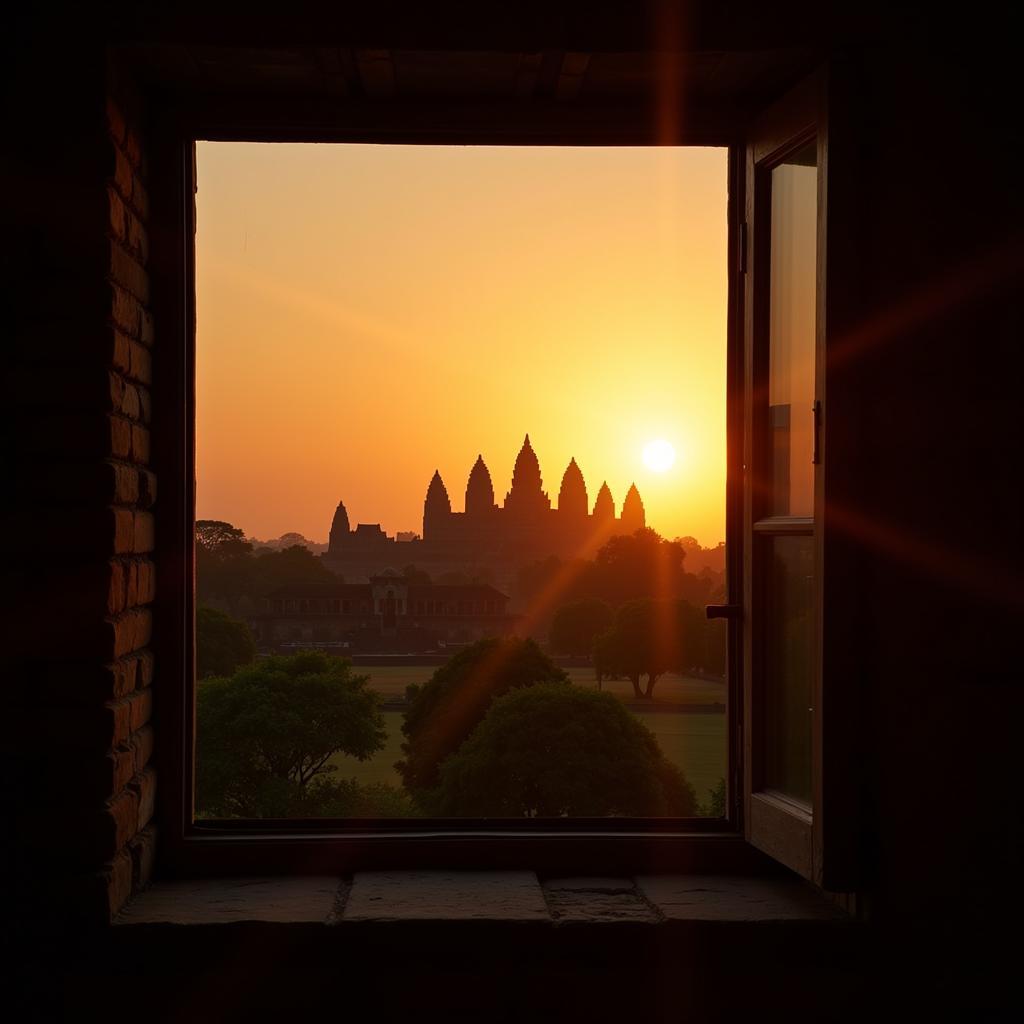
78 738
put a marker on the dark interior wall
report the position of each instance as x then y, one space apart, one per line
936 342
79 529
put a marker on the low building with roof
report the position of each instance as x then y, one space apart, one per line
388 614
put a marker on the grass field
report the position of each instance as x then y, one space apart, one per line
695 741
390 682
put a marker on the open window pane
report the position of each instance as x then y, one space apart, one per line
789 664
461 482
794 199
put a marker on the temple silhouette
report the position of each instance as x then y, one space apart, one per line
487 539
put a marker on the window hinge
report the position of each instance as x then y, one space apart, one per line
741 248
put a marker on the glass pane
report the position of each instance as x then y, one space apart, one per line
791 332
789 614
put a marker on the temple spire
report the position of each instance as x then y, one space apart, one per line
437 507
340 528
633 516
479 489
604 506
526 495
572 495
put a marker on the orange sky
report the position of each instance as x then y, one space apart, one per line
368 314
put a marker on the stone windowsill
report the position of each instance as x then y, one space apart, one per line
498 897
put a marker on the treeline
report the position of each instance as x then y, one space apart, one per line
233 577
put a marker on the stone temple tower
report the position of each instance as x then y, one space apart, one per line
340 528
526 499
479 490
604 506
437 509
572 495
633 516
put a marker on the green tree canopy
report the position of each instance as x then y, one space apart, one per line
223 644
267 732
553 750
650 638
292 566
220 540
576 626
449 706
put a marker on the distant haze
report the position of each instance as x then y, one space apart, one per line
368 314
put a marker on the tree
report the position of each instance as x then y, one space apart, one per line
292 566
576 625
223 564
267 733
223 644
448 707
220 540
553 750
715 807
636 566
650 638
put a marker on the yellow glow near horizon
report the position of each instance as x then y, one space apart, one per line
659 455
368 314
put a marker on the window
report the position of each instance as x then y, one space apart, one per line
185 830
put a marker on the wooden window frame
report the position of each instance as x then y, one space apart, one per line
310 846
818 842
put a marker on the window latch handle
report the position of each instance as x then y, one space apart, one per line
724 611
816 427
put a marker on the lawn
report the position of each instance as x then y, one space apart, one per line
390 682
693 740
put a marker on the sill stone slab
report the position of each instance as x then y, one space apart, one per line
721 898
303 900
509 896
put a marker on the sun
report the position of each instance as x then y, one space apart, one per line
659 455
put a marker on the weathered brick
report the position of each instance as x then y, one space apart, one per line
140 708
131 631
143 853
144 533
140 366
118 215
127 271
122 173
120 880
141 744
144 786
79 434
80 683
147 488
127 311
145 403
146 328
140 443
146 664
146 581
137 238
140 198
88 532
129 404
